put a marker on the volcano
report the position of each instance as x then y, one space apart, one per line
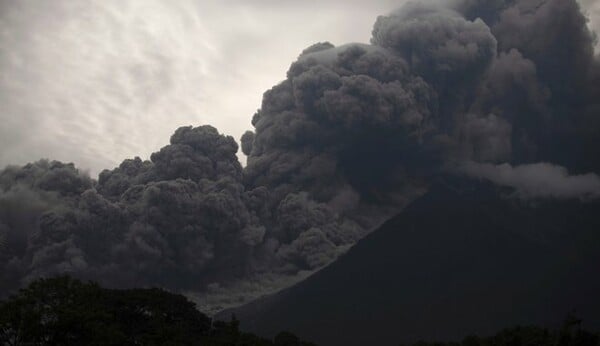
465 258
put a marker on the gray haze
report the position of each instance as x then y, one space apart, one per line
538 180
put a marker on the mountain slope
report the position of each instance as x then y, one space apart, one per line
462 259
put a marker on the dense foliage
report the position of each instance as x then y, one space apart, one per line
65 311
571 334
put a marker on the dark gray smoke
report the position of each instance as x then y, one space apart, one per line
352 135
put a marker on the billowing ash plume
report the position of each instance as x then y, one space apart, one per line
353 134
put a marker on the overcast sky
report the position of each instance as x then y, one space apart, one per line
97 81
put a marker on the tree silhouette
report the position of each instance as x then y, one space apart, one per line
64 311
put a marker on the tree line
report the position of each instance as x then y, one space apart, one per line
66 311
570 334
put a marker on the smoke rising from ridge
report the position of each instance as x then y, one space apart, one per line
352 135
538 180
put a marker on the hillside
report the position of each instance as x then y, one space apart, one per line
463 259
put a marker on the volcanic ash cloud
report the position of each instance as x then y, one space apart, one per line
354 133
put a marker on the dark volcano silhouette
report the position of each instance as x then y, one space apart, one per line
465 258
